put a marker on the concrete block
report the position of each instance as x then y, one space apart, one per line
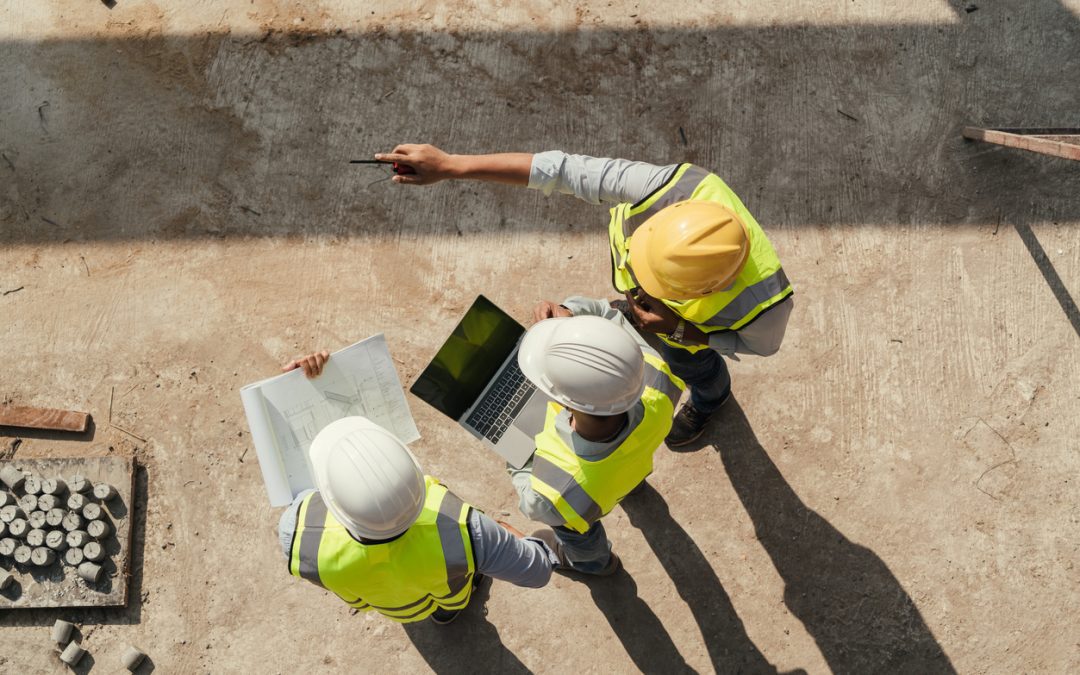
55 517
76 501
35 538
90 572
22 554
104 491
42 557
7 546
61 631
93 551
77 539
98 529
12 477
28 503
72 654
74 557
32 485
11 512
91 511
18 528
78 483
47 502
132 658
53 486
6 579
56 540
72 521
37 520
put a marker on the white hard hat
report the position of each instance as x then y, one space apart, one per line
586 363
369 480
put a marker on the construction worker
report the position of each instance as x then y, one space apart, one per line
694 265
613 401
383 536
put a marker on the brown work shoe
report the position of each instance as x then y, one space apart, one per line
687 426
612 567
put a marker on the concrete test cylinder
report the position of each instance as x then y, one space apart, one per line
91 511
37 520
93 551
99 529
22 554
35 538
12 477
48 502
42 557
132 658
77 539
53 486
72 654
6 498
78 483
11 512
8 546
76 501
56 540
28 503
104 491
72 521
90 572
55 517
74 557
18 528
32 486
61 631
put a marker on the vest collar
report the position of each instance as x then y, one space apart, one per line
591 449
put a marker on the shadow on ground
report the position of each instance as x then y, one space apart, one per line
854 607
465 644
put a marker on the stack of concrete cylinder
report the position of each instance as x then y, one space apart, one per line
43 521
72 652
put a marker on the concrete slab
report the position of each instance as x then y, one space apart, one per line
894 490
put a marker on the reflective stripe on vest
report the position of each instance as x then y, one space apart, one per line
429 566
760 285
584 490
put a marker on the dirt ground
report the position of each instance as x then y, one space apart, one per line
895 491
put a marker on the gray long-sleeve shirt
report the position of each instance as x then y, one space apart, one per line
536 506
497 553
615 181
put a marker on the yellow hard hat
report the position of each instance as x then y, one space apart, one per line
689 250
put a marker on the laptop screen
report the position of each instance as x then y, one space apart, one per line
469 359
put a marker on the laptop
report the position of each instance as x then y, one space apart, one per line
475 380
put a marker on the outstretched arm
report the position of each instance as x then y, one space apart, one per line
433 165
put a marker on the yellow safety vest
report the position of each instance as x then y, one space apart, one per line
429 566
761 284
583 490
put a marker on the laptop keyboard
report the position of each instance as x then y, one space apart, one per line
502 403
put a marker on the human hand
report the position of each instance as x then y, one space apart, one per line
430 164
511 529
545 309
312 364
650 314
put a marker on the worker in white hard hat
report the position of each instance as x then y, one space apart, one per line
384 537
695 267
613 402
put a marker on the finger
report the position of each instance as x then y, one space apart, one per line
408 179
310 368
291 365
320 361
394 156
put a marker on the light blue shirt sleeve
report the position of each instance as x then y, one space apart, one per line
501 555
532 504
287 523
596 180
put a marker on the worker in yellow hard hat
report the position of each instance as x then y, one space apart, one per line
695 267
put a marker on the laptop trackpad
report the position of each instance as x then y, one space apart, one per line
531 418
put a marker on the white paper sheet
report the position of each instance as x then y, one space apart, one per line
285 412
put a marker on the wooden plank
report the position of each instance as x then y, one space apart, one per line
43 418
59 585
1053 142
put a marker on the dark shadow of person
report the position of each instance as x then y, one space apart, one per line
730 648
861 618
637 627
470 644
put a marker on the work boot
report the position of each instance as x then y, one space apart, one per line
612 567
444 616
687 426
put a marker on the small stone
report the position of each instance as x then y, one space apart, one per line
72 654
61 631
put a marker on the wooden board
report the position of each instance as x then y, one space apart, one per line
43 418
1064 143
59 585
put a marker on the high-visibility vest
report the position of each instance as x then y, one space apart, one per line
760 285
583 490
430 566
